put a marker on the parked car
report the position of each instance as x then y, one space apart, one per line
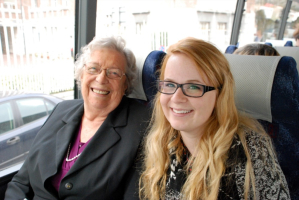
21 117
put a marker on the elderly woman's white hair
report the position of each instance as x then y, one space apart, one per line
116 43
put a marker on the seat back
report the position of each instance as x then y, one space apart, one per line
148 66
150 74
267 88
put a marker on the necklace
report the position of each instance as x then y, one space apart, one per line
68 153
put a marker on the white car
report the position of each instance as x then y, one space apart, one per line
21 117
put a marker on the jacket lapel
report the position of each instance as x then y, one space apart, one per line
105 138
64 136
69 127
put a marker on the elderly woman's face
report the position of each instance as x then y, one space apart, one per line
99 91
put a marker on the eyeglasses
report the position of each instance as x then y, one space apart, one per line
112 73
189 89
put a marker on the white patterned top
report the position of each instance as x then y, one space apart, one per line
270 182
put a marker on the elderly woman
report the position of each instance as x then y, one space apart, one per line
199 146
86 149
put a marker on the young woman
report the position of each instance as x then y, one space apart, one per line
199 146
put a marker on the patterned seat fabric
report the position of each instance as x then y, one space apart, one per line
284 128
150 74
288 44
289 51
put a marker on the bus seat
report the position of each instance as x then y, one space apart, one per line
277 43
138 91
147 66
267 88
289 51
231 49
150 74
269 44
288 44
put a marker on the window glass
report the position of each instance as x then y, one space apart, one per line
31 109
7 122
150 25
36 45
292 28
36 55
261 20
50 106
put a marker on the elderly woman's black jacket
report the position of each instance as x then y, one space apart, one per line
104 170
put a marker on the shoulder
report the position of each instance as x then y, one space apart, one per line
258 144
67 106
63 112
70 103
131 115
134 103
138 109
270 182
260 148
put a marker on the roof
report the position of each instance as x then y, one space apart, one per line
8 95
14 93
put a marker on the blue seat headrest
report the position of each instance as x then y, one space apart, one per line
289 51
150 73
288 44
269 44
231 49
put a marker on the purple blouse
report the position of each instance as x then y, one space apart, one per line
76 149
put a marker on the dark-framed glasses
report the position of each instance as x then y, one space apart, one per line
112 73
189 89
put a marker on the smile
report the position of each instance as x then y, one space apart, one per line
181 111
100 91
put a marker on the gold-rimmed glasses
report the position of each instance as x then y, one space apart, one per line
111 72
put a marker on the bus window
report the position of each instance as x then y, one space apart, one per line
261 21
154 25
36 56
36 45
292 27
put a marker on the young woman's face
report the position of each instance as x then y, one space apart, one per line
186 114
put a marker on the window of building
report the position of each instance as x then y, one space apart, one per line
222 26
205 26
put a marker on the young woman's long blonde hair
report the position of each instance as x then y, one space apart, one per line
209 164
